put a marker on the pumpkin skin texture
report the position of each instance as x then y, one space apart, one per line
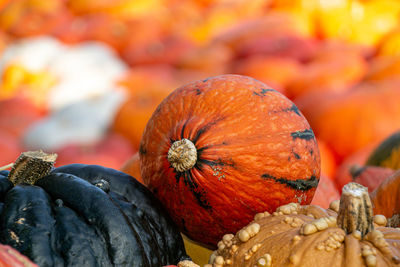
87 215
249 149
309 235
9 257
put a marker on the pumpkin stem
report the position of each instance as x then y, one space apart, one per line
182 155
355 211
30 166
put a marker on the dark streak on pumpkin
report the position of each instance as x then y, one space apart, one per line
264 91
184 226
299 184
201 162
204 129
197 192
183 130
297 156
294 109
142 150
307 134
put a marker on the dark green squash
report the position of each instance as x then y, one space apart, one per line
87 215
387 153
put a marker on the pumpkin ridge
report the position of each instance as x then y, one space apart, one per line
16 224
192 185
132 190
298 184
106 220
74 234
135 227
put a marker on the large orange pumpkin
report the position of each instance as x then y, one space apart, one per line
219 150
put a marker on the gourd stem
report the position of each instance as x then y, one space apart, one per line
6 167
355 210
31 166
182 155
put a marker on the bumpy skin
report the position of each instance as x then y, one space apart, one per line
65 220
255 152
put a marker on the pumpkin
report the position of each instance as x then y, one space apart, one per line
10 257
366 114
83 215
326 192
219 150
370 176
346 234
387 153
385 198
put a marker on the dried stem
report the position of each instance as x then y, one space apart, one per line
30 166
355 211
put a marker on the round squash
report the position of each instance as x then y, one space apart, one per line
218 151
385 198
10 257
387 153
347 234
83 215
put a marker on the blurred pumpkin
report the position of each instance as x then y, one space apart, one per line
370 176
351 120
275 71
326 192
132 167
326 73
387 153
385 199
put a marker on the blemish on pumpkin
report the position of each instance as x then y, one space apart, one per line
297 156
142 150
14 237
20 221
264 91
299 184
307 134
198 193
204 129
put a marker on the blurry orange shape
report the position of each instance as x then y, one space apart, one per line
33 84
355 118
145 92
32 17
273 71
282 45
212 59
334 71
10 148
120 8
326 192
132 167
383 68
17 114
110 152
359 22
343 172
328 161
390 44
274 25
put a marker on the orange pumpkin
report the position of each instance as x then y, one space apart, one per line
10 257
385 198
326 192
370 176
219 150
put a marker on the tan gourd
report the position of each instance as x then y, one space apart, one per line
346 234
